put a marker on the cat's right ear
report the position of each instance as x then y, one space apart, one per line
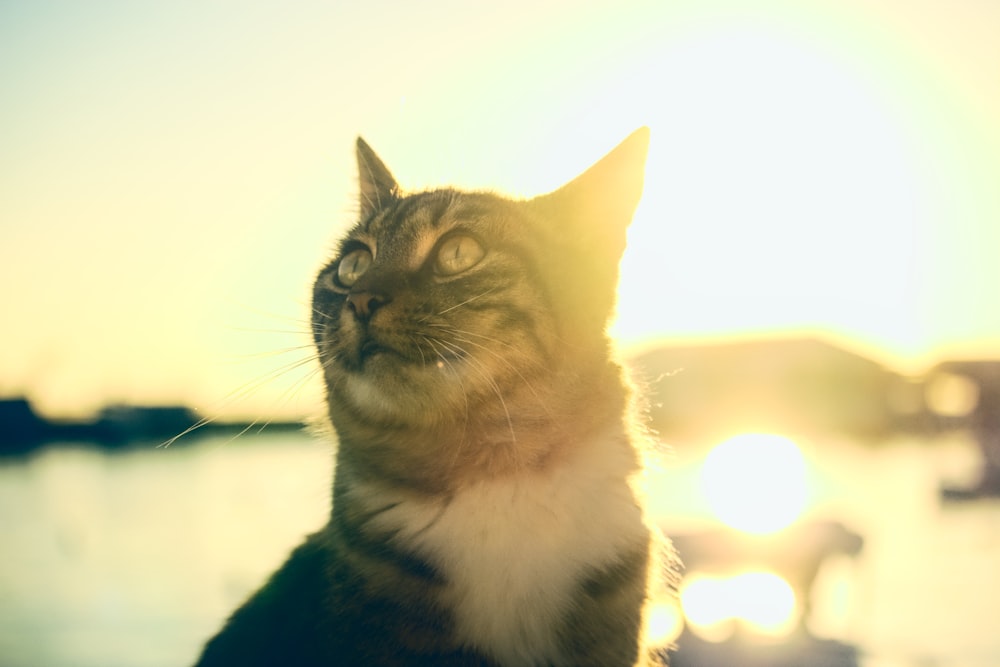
378 187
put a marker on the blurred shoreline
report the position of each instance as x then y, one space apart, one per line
22 429
799 385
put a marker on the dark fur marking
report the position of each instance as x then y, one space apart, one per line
621 573
358 536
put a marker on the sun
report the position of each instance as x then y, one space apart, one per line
755 482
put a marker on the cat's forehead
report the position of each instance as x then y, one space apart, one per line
411 227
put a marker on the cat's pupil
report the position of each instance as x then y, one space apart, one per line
354 264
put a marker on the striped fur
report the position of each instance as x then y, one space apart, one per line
484 505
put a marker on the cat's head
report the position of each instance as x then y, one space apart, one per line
444 304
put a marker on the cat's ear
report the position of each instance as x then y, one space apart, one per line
597 206
587 219
378 187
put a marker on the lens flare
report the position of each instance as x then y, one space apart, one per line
755 482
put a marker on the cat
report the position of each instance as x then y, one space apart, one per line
485 509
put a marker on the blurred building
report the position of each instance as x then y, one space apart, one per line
22 429
795 386
966 395
118 424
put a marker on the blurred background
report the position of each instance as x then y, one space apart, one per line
808 297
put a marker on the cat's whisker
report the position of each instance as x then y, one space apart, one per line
293 332
443 360
271 353
456 330
295 320
293 390
512 367
488 377
459 335
467 301
248 388
204 421
420 350
246 429
245 390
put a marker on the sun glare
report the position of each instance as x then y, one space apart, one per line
773 161
755 482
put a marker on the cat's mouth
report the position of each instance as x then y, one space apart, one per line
369 348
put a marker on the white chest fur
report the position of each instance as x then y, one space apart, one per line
514 550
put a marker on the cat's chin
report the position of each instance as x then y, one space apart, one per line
387 387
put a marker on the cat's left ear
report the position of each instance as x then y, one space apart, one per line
378 187
597 206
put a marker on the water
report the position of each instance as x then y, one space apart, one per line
134 558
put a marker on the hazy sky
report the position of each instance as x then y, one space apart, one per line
172 174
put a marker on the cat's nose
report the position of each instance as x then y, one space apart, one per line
364 304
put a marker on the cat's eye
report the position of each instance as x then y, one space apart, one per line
353 265
458 253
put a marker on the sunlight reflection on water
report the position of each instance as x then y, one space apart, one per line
925 587
134 558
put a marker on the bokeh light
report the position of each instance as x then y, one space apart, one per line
761 604
665 622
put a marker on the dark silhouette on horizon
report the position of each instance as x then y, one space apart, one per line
115 426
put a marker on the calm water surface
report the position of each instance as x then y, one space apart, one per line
134 558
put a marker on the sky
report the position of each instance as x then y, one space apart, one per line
173 174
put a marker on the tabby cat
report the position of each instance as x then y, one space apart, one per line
484 507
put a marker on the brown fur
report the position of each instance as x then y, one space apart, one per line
462 340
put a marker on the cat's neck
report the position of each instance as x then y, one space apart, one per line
549 528
531 430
